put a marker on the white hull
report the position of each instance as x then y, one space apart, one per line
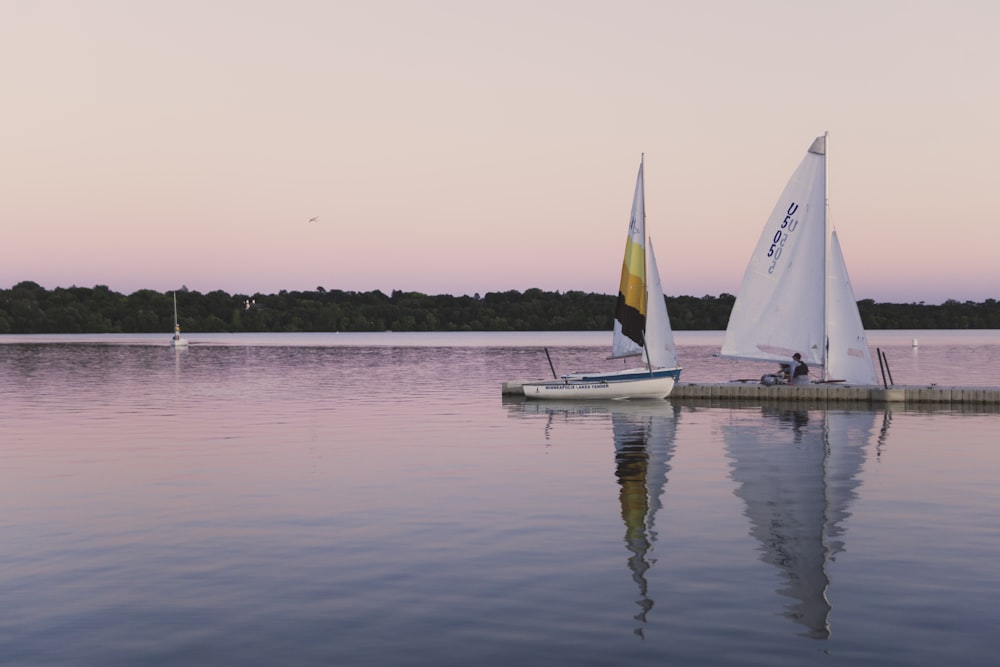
178 342
571 389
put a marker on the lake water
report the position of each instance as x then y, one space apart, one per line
370 499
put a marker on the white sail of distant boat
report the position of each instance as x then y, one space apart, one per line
796 295
176 340
797 480
641 328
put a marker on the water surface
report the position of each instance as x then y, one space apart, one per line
296 500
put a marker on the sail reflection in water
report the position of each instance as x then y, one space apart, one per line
797 481
644 446
644 434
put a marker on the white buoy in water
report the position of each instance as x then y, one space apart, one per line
915 344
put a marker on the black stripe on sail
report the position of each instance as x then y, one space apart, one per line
632 321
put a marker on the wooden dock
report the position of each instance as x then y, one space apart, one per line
753 392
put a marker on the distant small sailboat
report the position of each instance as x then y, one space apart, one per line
177 341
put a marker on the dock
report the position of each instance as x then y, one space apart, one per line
753 392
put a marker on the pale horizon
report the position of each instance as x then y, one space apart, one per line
451 147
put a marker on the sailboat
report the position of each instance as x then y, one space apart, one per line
641 329
796 295
176 340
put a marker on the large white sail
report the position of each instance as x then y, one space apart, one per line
659 336
630 310
848 358
779 309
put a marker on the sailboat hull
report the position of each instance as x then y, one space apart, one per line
633 383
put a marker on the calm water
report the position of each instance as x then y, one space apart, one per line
371 500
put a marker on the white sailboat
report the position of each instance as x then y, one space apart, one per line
641 329
796 295
176 340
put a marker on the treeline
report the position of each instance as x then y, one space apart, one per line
28 308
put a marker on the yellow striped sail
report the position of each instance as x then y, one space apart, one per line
630 310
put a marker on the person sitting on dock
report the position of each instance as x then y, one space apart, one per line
795 372
798 372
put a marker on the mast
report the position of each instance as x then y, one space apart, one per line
645 262
645 267
826 255
177 325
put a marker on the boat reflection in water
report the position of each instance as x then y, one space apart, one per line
644 446
644 433
797 480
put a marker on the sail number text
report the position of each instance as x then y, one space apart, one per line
788 226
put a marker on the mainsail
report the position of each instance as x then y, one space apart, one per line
630 310
796 295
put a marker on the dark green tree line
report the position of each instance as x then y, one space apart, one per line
29 308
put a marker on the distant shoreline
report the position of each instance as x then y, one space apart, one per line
28 308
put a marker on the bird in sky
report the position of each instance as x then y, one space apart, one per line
314 219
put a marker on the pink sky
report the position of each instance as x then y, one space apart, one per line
463 146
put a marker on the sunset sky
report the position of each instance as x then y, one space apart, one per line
464 146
